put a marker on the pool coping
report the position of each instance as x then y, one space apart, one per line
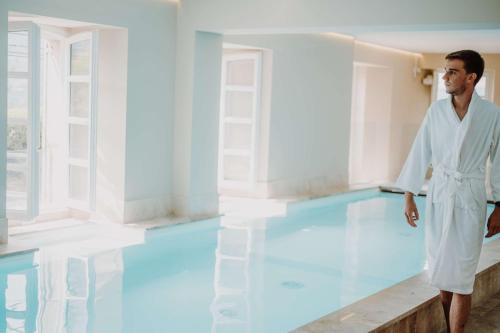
9 250
409 306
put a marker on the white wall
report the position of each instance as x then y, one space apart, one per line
299 16
308 143
310 113
408 104
151 29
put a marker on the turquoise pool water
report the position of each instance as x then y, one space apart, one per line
219 275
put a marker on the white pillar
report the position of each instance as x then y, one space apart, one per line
196 123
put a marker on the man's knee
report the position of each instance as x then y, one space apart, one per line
462 297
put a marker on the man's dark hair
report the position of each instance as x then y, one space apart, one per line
473 62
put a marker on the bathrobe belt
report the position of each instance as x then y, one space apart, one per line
454 180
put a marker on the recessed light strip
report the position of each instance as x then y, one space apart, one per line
387 48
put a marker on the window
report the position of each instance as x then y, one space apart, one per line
81 127
240 105
22 118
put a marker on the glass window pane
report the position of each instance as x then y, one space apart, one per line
16 180
18 51
239 104
237 136
17 201
80 58
78 182
17 137
236 168
78 141
17 129
16 159
79 97
16 190
240 72
17 98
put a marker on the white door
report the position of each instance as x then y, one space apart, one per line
81 120
240 101
23 134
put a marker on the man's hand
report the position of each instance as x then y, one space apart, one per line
493 223
411 211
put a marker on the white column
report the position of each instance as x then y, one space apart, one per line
196 124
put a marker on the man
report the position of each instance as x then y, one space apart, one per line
456 137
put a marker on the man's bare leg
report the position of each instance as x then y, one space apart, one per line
446 299
459 312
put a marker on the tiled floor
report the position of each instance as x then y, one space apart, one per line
485 318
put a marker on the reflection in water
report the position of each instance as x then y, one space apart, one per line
18 296
233 276
220 275
80 292
54 290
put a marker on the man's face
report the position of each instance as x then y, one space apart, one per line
455 78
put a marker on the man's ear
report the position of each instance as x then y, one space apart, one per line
473 76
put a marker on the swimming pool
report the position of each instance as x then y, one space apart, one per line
220 275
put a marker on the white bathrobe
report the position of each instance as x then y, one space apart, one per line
455 214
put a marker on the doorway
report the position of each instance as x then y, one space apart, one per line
51 114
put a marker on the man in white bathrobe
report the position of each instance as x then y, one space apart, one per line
456 137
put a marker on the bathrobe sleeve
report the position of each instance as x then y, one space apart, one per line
495 161
412 175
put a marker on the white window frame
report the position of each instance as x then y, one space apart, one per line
254 120
90 121
33 125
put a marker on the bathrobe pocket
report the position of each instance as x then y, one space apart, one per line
471 195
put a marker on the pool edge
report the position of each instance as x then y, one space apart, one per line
6 252
409 306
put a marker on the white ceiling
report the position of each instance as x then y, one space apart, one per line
483 41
